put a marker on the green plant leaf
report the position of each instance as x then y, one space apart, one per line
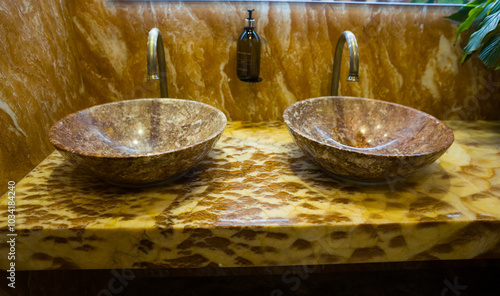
489 24
490 9
491 35
490 53
462 14
465 58
494 7
472 15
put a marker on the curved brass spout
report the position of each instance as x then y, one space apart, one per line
354 60
154 39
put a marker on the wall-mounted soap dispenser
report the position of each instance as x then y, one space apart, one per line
248 57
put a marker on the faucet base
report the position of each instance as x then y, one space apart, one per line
253 80
153 77
353 78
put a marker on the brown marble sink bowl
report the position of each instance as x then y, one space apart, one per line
366 140
139 142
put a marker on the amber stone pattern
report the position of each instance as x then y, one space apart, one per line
257 200
59 57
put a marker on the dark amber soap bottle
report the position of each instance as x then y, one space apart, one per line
248 60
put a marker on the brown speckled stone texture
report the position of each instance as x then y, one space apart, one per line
139 142
366 140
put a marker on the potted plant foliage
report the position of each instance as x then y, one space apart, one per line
483 17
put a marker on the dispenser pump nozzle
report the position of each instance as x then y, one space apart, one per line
250 22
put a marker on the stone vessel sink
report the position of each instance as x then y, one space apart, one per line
139 142
366 140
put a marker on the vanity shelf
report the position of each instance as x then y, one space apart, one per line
256 200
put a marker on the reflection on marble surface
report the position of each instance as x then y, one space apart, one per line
139 142
39 81
366 140
62 56
406 56
258 201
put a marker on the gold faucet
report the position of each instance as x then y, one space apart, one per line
354 60
154 39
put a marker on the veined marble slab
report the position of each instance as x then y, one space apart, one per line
59 57
258 201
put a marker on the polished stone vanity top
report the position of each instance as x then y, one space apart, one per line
257 200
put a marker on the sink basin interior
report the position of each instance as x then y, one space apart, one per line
369 126
146 128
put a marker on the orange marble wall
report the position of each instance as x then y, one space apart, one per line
406 55
60 56
39 81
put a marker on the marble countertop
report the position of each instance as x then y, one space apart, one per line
258 201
